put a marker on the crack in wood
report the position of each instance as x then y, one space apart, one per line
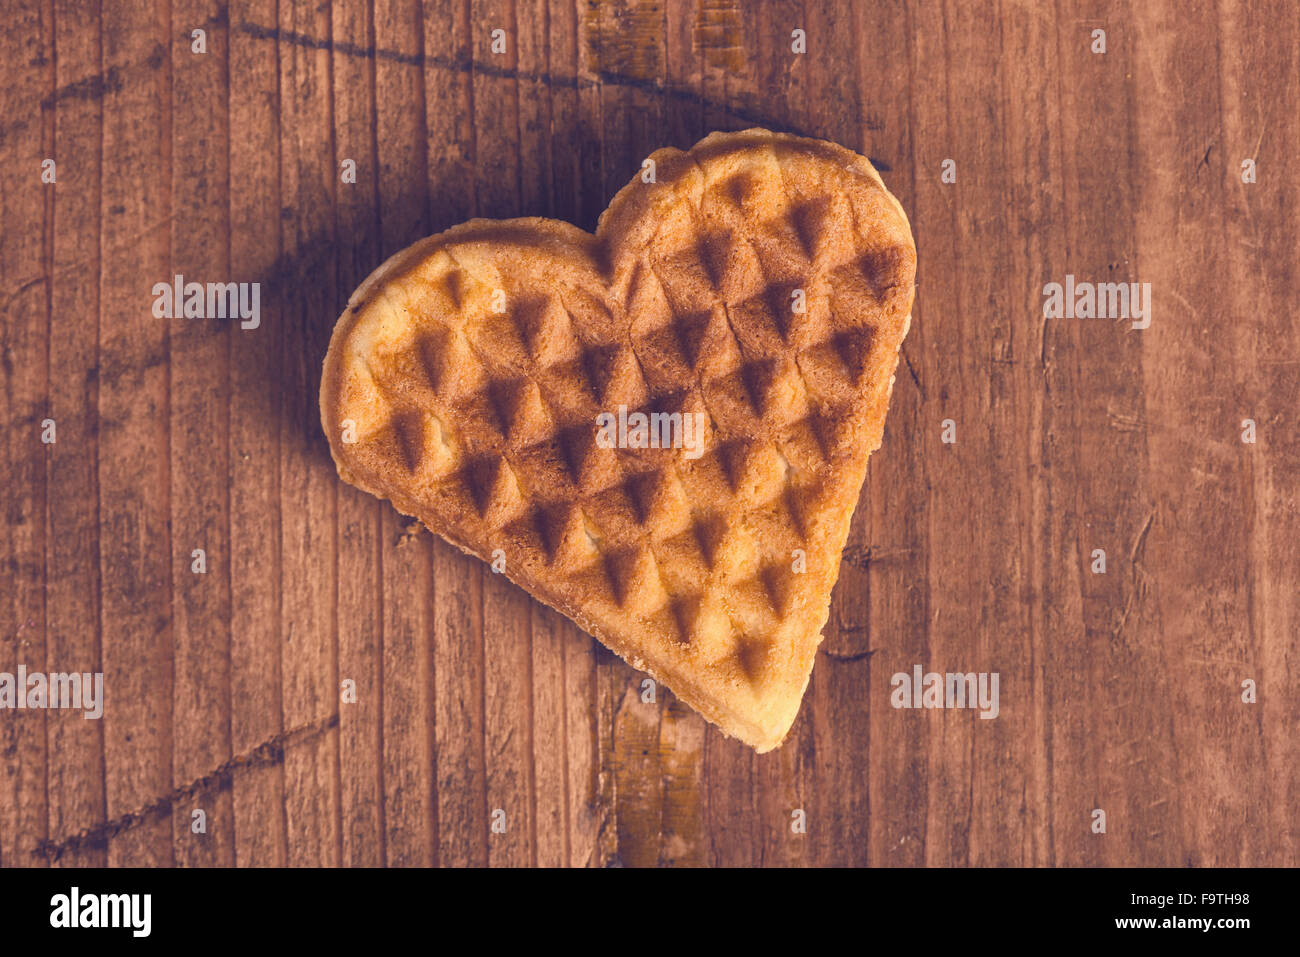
1139 589
848 656
268 753
912 371
863 556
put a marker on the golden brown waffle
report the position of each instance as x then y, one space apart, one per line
464 381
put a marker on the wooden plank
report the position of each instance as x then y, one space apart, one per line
1202 474
998 749
200 235
360 601
308 491
25 265
76 747
405 571
1104 385
1268 41
1033 371
134 440
900 767
887 560
256 402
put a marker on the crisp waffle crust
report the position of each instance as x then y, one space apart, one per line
763 281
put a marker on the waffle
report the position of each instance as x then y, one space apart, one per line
761 283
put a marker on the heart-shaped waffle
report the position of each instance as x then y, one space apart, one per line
760 284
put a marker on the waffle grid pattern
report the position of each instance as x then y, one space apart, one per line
701 550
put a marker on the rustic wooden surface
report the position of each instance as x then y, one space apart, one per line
1119 691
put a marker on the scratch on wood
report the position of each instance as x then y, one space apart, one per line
1139 589
269 752
1141 536
840 656
1254 154
35 281
91 88
915 378
1185 304
1205 160
1124 423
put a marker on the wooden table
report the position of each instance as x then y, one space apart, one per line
1120 691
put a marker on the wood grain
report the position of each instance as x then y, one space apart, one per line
473 705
